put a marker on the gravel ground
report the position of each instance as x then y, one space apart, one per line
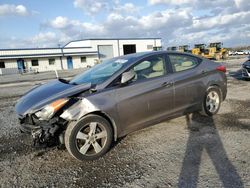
190 151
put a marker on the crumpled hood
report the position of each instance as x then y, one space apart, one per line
42 95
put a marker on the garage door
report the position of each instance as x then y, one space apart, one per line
105 51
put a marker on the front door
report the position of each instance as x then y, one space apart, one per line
69 62
148 97
20 65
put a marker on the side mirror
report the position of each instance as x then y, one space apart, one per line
127 76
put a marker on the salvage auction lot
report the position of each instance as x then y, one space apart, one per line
188 151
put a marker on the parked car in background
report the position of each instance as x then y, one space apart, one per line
240 52
246 69
231 53
119 96
246 52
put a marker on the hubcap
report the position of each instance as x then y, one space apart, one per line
212 101
91 139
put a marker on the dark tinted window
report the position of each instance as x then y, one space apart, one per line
2 64
181 62
34 62
52 61
83 60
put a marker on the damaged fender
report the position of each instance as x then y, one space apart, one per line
82 108
78 110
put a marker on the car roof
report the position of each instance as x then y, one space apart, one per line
144 54
140 55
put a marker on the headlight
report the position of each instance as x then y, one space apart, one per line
49 110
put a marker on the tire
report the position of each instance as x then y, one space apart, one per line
211 106
89 138
217 57
225 55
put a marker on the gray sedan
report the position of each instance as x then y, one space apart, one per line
119 96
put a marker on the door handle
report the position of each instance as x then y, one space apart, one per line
167 84
203 71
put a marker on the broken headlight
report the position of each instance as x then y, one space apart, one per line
49 110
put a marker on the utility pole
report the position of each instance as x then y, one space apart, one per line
61 48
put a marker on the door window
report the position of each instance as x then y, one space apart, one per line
149 68
182 62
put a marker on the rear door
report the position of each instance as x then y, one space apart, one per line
188 81
148 97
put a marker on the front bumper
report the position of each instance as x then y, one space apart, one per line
44 133
27 124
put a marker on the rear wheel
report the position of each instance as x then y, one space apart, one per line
212 101
88 138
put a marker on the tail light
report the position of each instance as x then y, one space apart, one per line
221 68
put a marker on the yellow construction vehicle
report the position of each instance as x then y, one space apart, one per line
214 51
172 48
217 52
184 48
199 49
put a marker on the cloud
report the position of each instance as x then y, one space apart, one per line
177 22
127 8
220 21
236 37
9 9
74 28
242 4
42 39
98 6
89 6
119 25
59 22
175 26
195 4
176 2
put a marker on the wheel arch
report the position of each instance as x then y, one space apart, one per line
108 118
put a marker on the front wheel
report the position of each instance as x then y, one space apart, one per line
225 55
212 101
217 57
88 138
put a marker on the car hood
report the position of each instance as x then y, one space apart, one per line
42 95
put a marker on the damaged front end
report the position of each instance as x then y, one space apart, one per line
39 110
45 125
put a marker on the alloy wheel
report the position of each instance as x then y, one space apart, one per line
212 101
91 139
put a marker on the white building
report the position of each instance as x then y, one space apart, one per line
75 54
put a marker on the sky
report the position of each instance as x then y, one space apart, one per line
50 23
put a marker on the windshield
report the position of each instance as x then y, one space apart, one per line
101 72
